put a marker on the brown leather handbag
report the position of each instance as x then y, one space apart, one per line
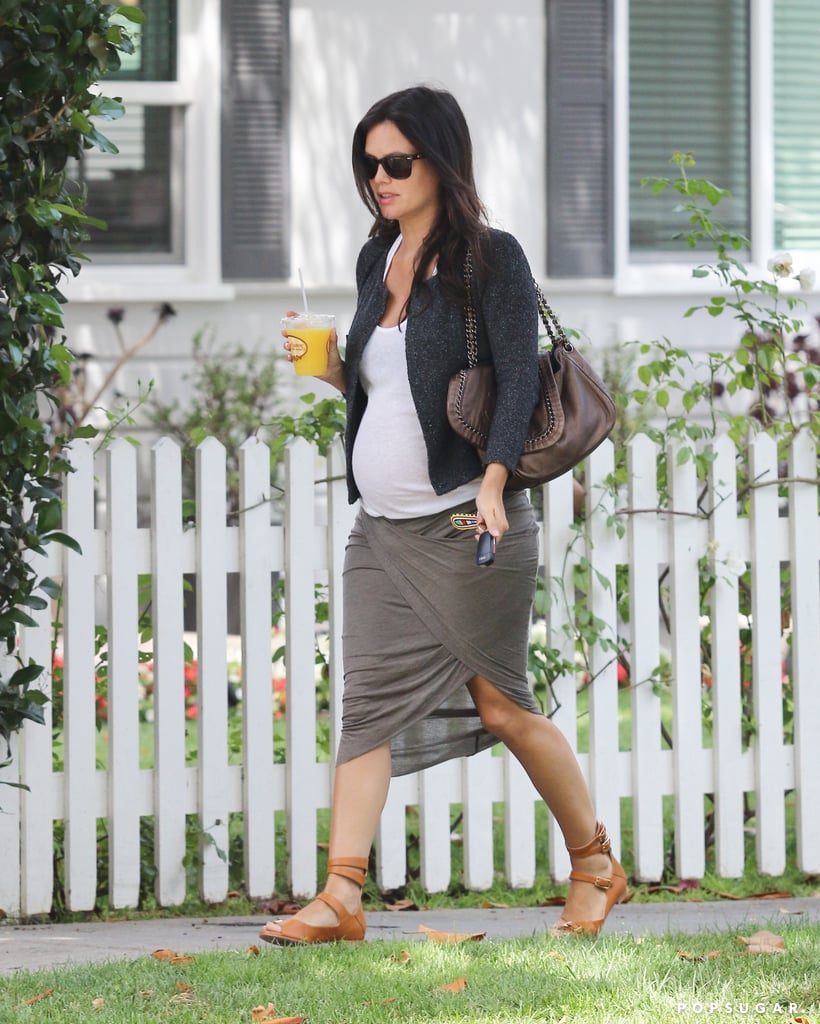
574 414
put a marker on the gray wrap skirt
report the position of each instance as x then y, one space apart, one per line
420 620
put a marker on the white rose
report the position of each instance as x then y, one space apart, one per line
734 564
780 265
807 277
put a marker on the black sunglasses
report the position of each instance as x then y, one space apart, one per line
396 165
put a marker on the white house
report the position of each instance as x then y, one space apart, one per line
234 170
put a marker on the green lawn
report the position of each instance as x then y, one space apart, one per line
613 980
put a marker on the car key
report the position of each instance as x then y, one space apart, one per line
485 549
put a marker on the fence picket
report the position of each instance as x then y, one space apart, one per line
477 826
520 839
391 833
10 852
562 550
603 688
767 659
79 697
804 547
169 672
725 541
212 696
340 516
687 730
644 659
37 803
257 695
123 712
300 539
434 826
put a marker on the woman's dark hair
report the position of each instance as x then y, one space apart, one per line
434 123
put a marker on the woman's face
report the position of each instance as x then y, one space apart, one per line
407 199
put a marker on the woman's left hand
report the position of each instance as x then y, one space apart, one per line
492 515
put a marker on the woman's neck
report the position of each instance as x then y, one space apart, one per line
414 231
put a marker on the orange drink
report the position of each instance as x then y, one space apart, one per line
309 336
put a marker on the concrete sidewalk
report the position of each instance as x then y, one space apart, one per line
33 947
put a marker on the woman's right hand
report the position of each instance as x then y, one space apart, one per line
335 375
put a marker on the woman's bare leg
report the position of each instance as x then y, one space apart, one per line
359 793
551 764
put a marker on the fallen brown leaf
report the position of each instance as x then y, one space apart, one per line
774 894
260 1012
402 958
763 942
402 905
180 961
98 1004
36 999
254 950
164 954
234 895
488 905
698 957
183 998
283 1020
554 901
274 907
147 993
451 938
380 1002
788 910
183 987
453 986
684 885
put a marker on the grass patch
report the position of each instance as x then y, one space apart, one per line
608 981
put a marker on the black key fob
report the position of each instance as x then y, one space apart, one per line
485 549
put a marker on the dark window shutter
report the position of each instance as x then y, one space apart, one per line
255 103
579 138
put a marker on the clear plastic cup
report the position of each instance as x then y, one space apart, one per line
309 336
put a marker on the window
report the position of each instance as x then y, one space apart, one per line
688 91
138 191
796 125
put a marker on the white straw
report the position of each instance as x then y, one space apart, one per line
304 293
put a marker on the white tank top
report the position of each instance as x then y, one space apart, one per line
389 453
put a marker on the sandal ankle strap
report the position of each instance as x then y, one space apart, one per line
600 843
352 868
599 881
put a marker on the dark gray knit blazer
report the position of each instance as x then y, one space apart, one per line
436 348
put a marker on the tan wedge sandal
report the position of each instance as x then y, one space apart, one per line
348 928
614 886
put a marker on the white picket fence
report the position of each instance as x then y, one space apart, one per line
306 550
